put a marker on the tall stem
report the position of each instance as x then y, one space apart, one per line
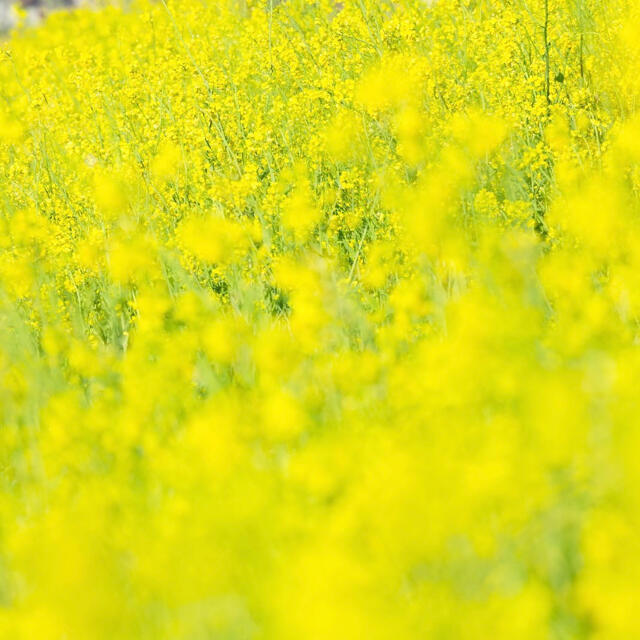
547 87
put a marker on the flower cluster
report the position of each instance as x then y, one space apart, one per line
321 320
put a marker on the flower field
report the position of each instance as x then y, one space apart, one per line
321 321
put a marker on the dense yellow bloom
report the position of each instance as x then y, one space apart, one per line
320 320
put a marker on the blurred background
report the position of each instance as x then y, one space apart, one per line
29 12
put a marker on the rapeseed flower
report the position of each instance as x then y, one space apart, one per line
320 320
